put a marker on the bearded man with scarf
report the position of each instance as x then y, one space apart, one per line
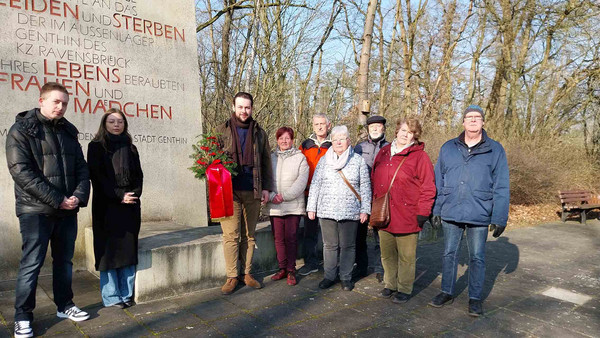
248 145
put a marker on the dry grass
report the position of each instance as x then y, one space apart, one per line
538 169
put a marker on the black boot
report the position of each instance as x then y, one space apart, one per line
400 298
441 299
326 283
475 308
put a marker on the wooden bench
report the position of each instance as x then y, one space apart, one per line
577 201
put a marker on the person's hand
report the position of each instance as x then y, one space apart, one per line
265 197
74 201
436 222
129 198
312 215
67 203
277 199
363 217
421 220
497 229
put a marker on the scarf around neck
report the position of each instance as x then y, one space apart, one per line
338 162
395 150
126 168
245 157
286 153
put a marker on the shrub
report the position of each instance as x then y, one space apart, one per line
538 167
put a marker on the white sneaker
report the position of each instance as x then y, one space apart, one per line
23 329
74 313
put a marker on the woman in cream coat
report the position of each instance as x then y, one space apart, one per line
286 205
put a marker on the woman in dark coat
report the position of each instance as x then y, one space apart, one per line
117 179
411 198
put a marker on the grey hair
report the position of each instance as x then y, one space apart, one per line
321 116
340 130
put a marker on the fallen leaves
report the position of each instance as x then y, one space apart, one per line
521 216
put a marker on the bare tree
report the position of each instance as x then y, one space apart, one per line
365 55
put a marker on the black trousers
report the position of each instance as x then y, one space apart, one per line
310 242
362 256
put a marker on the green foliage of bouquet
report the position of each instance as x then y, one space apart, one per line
207 151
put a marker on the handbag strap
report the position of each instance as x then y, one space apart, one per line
397 169
349 185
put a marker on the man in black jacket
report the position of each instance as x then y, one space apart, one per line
51 179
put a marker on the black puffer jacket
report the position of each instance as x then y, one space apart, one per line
46 162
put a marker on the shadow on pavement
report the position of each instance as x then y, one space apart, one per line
501 257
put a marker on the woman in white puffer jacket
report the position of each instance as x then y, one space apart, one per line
340 205
286 204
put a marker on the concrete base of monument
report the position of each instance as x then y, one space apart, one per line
175 259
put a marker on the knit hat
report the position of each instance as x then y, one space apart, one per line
376 119
474 108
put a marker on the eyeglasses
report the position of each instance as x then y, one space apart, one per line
474 118
339 140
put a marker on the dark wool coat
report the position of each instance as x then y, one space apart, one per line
46 162
116 225
413 190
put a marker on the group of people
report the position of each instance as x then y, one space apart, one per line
52 181
330 185
326 182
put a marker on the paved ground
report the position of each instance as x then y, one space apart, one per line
523 267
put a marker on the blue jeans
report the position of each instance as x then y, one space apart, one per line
116 285
339 240
37 231
476 238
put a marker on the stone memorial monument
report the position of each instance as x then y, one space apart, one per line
136 55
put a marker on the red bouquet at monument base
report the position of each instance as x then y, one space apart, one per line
214 165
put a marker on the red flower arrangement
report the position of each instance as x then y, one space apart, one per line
207 151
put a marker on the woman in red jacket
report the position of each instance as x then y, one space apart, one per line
411 198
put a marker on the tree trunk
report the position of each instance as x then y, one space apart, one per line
365 55
386 69
304 95
223 78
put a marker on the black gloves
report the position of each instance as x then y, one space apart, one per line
421 220
436 222
497 229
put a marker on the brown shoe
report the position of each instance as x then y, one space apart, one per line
291 278
251 282
279 275
229 285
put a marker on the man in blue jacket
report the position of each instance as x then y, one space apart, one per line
471 177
